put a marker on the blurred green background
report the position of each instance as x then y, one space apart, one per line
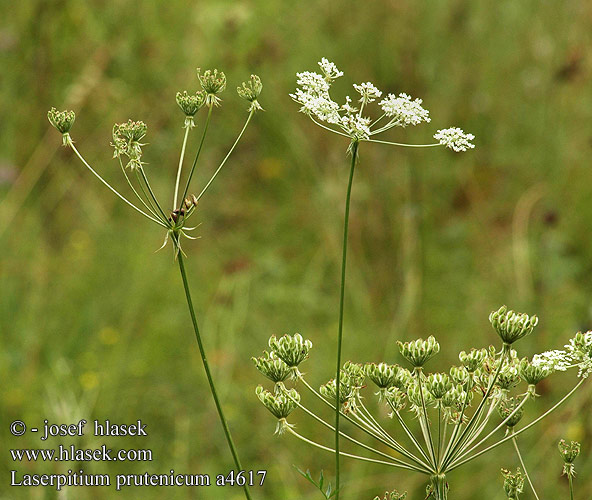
94 324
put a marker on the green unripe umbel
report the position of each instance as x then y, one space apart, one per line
62 121
569 451
438 384
513 483
532 374
272 367
280 405
329 392
512 326
250 91
190 104
473 359
292 350
508 377
507 407
419 351
381 374
212 82
392 495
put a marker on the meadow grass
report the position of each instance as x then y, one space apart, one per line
437 241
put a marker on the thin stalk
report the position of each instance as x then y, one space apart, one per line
354 154
135 191
113 189
328 128
460 462
524 466
180 167
501 424
402 144
439 430
359 443
372 432
152 192
342 453
458 424
427 431
206 366
455 447
410 434
571 493
152 207
201 142
225 158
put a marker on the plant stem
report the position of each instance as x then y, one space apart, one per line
515 443
207 370
225 158
354 155
180 167
203 137
571 494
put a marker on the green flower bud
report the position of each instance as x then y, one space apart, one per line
272 367
280 405
418 352
381 374
250 91
473 359
212 83
392 495
438 384
63 121
507 407
511 326
513 483
292 350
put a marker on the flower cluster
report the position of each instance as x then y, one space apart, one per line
569 452
577 353
126 142
63 121
401 110
513 483
250 92
392 495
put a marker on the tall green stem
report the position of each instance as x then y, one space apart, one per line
354 157
178 179
204 360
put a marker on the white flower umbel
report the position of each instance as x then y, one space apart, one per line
455 139
346 120
368 92
329 69
577 353
403 111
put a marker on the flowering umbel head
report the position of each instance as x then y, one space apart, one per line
513 483
250 92
512 326
126 142
419 351
213 82
190 104
63 121
455 138
569 452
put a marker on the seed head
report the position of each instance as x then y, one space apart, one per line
250 91
438 384
272 367
418 352
473 359
126 141
569 451
212 82
392 495
63 121
292 350
513 483
507 407
381 374
511 326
